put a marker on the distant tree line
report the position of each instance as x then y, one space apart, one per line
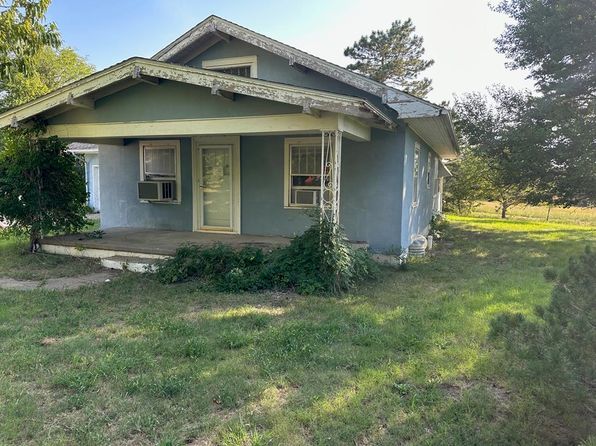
516 146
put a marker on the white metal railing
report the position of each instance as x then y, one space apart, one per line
330 175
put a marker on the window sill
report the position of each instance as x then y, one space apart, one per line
301 207
160 202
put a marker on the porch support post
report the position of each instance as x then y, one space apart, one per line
330 175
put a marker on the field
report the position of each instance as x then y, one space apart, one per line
405 360
574 215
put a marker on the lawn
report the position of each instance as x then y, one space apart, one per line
402 360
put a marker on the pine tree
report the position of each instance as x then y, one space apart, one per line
394 56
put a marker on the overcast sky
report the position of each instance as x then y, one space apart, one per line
458 34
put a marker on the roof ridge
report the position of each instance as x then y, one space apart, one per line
214 18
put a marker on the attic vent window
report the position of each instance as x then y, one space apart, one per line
245 66
236 71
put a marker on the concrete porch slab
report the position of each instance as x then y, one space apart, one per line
150 243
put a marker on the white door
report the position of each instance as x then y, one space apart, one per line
216 188
95 188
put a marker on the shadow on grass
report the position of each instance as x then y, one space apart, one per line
402 360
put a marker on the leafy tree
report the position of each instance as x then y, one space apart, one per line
22 33
41 189
556 41
490 128
49 69
468 183
394 56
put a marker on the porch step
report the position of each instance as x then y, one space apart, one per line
130 263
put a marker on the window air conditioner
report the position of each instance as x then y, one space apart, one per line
157 190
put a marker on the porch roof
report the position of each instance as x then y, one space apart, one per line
83 93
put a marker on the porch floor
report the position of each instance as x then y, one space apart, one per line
161 242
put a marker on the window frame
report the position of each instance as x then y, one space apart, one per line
177 177
429 159
416 175
288 144
232 62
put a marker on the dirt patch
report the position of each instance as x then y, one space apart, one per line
49 341
58 284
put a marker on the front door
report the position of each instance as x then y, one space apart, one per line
216 178
215 187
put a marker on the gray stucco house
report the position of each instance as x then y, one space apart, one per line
90 155
226 130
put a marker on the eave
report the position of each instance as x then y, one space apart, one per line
408 107
85 92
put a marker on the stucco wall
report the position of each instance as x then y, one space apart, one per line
415 219
370 194
370 189
119 172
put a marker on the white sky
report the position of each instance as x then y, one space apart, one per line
458 34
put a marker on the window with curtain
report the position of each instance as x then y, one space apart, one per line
304 173
159 162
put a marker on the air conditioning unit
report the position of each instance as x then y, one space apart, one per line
306 196
157 190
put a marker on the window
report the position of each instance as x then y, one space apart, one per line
436 176
428 170
160 161
238 66
303 172
416 174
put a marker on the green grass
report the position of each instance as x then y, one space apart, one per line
404 360
17 263
575 215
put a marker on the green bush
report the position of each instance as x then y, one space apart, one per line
319 261
558 352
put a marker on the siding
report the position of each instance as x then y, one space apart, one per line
272 67
170 100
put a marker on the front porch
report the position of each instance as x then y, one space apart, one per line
150 243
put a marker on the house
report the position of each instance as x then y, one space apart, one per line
90 156
228 131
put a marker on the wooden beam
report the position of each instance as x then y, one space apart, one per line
80 102
221 35
309 110
216 91
246 125
292 62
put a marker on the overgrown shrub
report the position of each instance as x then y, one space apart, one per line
438 226
224 267
558 352
319 261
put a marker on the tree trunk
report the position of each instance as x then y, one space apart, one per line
548 213
504 210
34 244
